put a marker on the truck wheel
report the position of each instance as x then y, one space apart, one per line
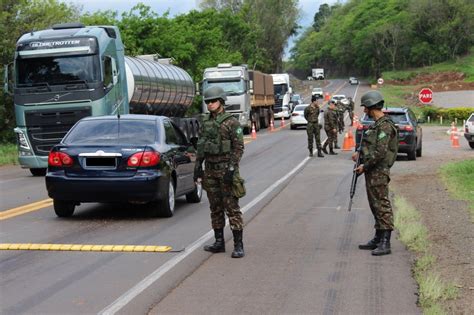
38 171
63 208
165 207
196 195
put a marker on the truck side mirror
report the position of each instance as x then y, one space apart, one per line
290 90
115 73
6 84
107 74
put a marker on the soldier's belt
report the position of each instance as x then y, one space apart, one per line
217 166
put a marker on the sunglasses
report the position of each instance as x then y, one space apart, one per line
211 101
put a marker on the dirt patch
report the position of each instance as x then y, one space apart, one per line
450 229
438 82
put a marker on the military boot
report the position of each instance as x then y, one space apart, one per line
372 244
311 152
331 151
383 248
336 146
238 244
324 148
219 244
320 154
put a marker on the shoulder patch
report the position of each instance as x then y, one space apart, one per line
382 135
238 131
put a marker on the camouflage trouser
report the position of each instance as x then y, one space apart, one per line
351 116
376 183
332 138
313 130
222 201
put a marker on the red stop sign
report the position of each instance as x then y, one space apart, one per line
425 96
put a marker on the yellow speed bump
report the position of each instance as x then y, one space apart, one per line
86 248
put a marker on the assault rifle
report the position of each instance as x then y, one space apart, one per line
354 174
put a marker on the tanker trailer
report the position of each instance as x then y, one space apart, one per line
71 71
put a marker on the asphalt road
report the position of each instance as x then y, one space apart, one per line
303 228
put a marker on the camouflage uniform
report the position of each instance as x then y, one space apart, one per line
379 151
340 109
330 123
311 114
221 145
350 109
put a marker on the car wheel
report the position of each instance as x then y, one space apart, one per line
419 150
165 206
293 127
196 195
471 144
38 171
412 154
63 208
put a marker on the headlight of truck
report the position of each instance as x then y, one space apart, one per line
22 142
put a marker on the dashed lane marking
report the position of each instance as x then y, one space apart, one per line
86 247
26 208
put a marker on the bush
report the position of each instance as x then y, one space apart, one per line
448 114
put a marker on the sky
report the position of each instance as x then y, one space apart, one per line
176 7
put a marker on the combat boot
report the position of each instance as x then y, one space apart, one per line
310 152
238 244
324 148
383 248
336 146
219 244
372 244
320 154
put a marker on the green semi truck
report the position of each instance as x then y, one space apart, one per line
71 71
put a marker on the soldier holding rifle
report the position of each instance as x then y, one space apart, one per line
378 152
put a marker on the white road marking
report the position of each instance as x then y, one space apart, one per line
123 300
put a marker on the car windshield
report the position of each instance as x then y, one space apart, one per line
300 108
317 90
397 118
115 131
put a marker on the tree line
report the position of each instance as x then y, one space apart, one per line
367 37
221 31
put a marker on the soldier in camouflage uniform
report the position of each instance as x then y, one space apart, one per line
330 126
311 114
350 109
379 147
220 146
340 109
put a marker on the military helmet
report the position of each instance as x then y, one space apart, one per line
314 98
372 99
214 92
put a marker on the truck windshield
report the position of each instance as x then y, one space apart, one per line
229 87
280 89
57 70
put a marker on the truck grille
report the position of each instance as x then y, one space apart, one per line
277 106
46 128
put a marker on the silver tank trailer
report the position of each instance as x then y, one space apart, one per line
158 89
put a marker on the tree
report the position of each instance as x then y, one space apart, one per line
321 17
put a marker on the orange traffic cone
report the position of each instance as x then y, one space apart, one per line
272 126
327 97
346 146
454 131
455 141
282 121
254 132
351 138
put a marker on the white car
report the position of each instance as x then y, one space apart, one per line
340 97
297 117
318 92
469 131
353 80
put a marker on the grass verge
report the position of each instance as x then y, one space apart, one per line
8 154
432 290
457 176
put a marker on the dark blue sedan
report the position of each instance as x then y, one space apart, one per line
131 158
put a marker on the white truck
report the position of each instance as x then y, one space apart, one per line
318 73
249 93
283 93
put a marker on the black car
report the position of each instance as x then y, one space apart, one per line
409 130
131 158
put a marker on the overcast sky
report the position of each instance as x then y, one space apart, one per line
175 7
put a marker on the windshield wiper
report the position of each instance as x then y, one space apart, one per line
72 84
40 85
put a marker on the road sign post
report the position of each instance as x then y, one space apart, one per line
425 96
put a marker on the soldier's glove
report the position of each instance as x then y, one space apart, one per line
198 172
229 176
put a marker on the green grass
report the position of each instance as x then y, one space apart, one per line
458 176
432 290
8 154
461 64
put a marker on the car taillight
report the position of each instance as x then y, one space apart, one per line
59 159
466 130
405 128
144 159
295 114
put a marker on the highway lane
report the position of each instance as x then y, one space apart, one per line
87 282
